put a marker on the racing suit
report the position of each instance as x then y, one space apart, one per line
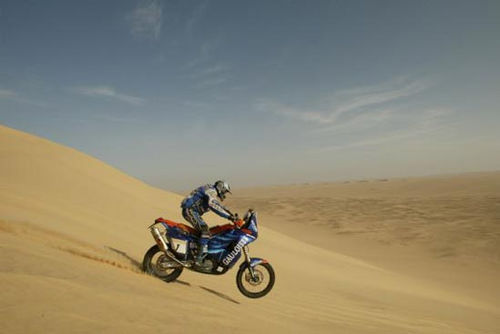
201 200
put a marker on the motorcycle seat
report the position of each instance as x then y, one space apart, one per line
183 227
190 230
220 228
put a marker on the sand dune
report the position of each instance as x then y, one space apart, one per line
73 231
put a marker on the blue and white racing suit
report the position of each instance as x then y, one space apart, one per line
201 200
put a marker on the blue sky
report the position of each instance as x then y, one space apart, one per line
178 93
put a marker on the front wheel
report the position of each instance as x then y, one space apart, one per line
158 264
260 284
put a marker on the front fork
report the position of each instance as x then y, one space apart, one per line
247 259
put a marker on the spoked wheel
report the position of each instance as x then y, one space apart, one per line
257 285
158 264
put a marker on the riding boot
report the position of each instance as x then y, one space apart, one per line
202 250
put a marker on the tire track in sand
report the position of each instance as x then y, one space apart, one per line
70 245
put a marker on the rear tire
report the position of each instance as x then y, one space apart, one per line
263 284
157 264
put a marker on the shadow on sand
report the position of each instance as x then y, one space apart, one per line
220 294
182 282
133 261
137 264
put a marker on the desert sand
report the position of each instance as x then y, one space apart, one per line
418 255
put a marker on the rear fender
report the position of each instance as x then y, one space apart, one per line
177 233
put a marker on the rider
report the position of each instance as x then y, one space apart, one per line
201 200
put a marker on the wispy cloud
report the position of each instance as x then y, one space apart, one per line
146 19
293 113
195 17
10 95
365 116
421 123
379 95
6 94
210 76
128 119
347 101
206 50
361 121
208 71
108 92
216 69
211 82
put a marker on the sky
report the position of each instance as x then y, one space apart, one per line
182 93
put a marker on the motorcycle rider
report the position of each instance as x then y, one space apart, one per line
201 200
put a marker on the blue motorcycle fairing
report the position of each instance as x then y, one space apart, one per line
219 245
177 233
230 255
252 226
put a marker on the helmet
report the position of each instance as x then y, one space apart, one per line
222 188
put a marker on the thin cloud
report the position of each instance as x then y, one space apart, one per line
6 94
196 104
293 113
207 49
210 76
11 95
366 116
382 96
211 82
118 119
347 101
209 71
108 92
361 121
195 17
146 20
214 70
422 123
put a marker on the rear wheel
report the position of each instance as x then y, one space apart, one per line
260 284
158 264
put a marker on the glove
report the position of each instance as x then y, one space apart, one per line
234 218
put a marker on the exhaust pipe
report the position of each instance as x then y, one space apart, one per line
160 241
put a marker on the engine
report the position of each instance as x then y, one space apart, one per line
208 264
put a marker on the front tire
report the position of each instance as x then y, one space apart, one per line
157 264
260 285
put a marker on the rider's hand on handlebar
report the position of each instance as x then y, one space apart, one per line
236 220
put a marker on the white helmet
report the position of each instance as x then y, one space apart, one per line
222 188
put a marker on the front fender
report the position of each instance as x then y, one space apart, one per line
253 262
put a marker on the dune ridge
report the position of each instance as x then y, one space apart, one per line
73 232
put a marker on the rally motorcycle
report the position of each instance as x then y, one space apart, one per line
177 248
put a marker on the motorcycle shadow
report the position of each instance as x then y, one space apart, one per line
138 264
214 292
220 294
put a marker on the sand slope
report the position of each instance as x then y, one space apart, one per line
72 231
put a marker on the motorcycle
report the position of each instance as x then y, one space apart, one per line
177 248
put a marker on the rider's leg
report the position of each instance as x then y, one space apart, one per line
195 219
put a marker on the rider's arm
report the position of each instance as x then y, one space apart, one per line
216 206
